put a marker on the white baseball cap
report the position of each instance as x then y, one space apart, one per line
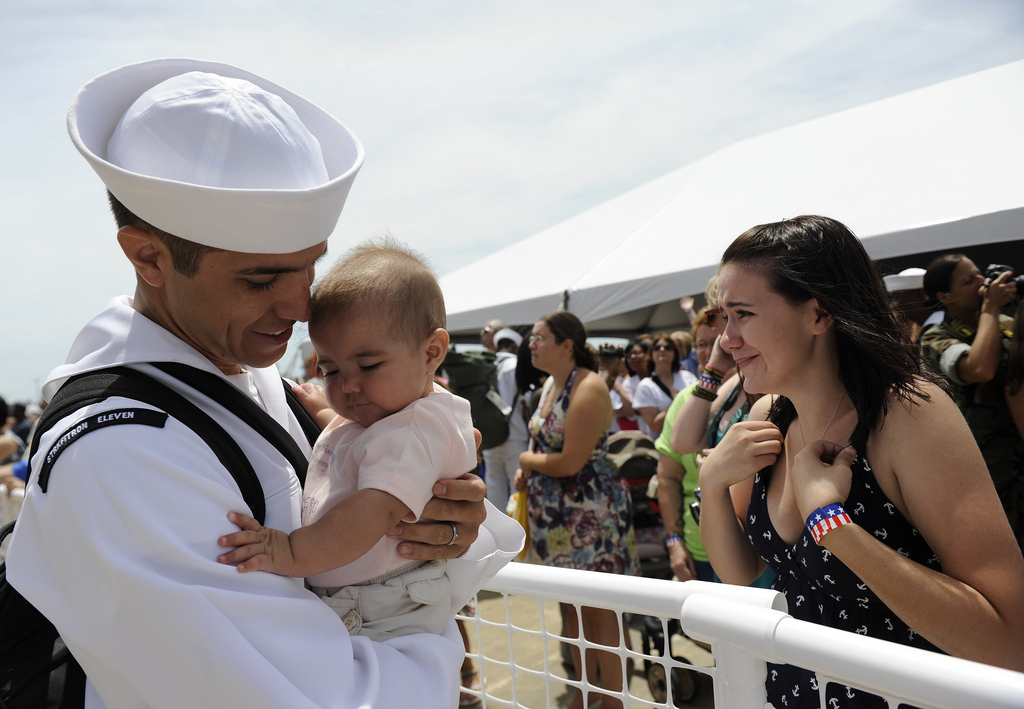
216 155
907 279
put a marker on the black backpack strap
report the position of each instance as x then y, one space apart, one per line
36 667
309 425
231 397
94 387
661 385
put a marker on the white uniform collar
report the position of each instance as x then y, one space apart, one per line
119 334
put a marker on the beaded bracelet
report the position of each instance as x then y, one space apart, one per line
703 393
710 378
714 372
824 519
674 540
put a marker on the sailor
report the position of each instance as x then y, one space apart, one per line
225 188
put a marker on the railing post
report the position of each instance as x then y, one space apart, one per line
740 637
738 679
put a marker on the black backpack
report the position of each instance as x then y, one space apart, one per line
473 375
36 668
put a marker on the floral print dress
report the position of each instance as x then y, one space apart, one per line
582 521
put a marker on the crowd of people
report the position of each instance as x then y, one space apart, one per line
853 442
810 365
15 435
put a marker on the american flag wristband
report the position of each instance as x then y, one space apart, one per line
824 519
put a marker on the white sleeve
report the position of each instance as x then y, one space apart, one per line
950 358
120 554
646 394
407 452
507 380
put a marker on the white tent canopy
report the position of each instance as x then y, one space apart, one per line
929 170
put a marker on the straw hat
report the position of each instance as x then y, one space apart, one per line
216 155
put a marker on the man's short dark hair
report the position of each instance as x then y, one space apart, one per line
185 255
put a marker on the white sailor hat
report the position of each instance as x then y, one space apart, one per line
907 279
507 333
216 155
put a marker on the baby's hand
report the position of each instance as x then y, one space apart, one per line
258 548
314 400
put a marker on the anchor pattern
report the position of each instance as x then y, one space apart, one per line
822 590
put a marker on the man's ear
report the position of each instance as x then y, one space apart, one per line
437 348
147 253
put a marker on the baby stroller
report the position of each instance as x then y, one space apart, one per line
637 458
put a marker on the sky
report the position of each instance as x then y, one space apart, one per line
483 122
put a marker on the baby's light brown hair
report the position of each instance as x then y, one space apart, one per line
388 278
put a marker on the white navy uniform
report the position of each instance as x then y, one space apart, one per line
120 554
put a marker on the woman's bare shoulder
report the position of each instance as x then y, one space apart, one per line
761 407
931 406
589 383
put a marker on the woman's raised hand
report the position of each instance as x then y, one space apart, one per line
747 447
821 475
719 359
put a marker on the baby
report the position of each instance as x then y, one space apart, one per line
377 324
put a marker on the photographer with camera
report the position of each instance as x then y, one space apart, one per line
970 347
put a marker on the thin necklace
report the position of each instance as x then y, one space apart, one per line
827 425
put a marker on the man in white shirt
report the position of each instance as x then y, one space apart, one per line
501 462
225 188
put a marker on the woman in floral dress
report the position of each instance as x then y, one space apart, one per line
580 511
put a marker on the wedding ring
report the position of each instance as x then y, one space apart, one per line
455 533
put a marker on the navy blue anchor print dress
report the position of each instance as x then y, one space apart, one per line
821 589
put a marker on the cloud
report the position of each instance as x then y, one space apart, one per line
484 122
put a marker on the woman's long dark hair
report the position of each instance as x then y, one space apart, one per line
817 257
566 326
527 376
938 278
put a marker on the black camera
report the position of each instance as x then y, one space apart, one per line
994 270
608 350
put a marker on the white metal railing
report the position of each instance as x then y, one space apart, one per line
746 627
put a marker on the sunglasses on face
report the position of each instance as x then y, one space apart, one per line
657 348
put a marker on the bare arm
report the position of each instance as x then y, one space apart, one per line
589 414
726 480
670 500
981 362
349 529
973 608
690 432
654 418
459 501
8 446
627 399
